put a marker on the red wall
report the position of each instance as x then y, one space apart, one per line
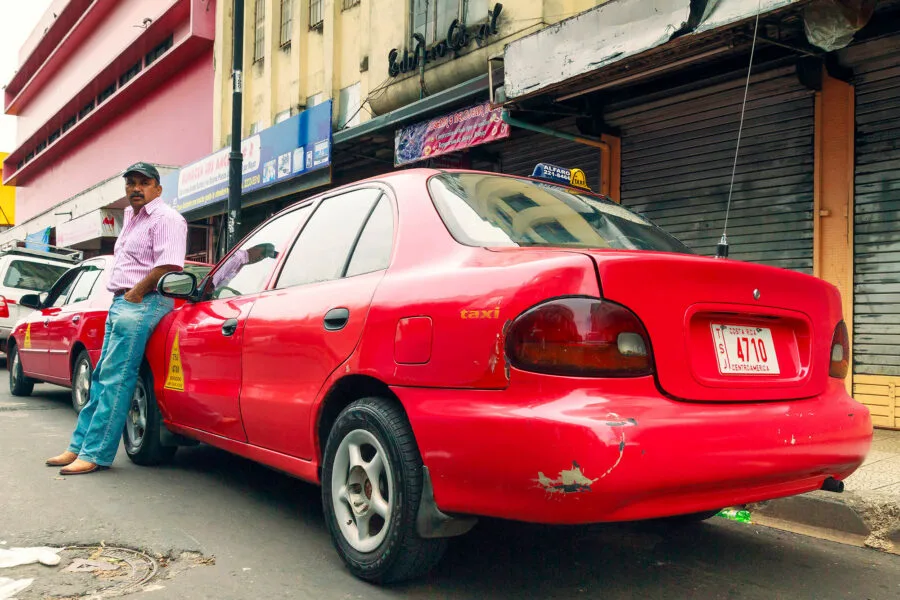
172 126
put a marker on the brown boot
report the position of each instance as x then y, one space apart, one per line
66 458
81 467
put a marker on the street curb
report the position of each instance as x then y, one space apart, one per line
869 515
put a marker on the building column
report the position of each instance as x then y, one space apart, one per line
833 204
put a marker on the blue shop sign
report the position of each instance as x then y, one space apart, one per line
294 147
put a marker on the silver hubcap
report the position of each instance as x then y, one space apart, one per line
14 373
136 424
362 490
82 384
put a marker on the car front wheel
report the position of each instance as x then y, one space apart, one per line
143 427
371 488
19 384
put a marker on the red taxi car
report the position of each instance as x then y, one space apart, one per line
60 341
433 346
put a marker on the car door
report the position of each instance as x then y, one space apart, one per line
203 382
302 330
62 327
35 347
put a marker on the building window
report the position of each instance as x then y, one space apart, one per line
316 15
86 110
69 124
158 51
130 74
315 99
348 108
259 41
106 93
287 21
40 147
53 136
283 116
432 18
349 4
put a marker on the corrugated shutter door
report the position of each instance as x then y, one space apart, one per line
876 294
677 158
525 149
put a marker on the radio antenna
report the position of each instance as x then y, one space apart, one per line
722 247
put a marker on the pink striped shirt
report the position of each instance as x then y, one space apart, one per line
155 236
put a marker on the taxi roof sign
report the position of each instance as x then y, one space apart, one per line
552 173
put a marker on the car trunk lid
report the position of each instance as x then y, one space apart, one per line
725 330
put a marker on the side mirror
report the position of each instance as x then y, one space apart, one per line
177 284
31 301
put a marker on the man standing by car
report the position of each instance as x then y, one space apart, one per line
152 243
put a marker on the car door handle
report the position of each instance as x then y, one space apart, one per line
229 327
46 322
76 318
336 319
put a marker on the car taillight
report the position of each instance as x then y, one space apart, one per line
586 337
840 352
4 308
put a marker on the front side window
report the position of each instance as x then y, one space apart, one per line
323 249
81 291
248 268
34 276
494 210
56 295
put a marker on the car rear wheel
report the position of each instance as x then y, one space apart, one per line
19 384
143 427
371 488
81 381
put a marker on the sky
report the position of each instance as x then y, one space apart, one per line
19 18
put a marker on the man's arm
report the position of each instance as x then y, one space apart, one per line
148 283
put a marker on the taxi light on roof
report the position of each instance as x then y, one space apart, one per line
552 173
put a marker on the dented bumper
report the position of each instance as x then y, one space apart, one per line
550 450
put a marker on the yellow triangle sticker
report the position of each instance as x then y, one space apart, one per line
175 378
27 343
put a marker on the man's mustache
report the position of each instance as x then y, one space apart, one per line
136 195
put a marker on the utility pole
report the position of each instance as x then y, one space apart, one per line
235 158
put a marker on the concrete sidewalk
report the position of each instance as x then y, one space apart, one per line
867 513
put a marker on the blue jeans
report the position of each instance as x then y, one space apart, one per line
100 424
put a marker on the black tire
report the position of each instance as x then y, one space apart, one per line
143 427
81 390
19 384
401 554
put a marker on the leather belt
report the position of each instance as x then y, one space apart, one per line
118 293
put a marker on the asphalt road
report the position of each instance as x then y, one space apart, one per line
266 534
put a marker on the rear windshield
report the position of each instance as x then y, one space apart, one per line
493 210
35 276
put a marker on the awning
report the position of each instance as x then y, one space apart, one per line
596 39
445 100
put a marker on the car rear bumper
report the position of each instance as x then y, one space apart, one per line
625 452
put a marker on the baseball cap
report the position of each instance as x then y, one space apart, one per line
144 169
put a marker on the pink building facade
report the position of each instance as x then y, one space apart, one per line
102 84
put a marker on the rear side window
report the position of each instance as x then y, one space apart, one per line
324 245
493 210
34 276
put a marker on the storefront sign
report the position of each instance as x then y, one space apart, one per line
458 38
104 222
451 133
296 146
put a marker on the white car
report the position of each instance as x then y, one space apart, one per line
27 271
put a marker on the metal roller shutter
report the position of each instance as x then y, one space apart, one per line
677 157
876 286
525 149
